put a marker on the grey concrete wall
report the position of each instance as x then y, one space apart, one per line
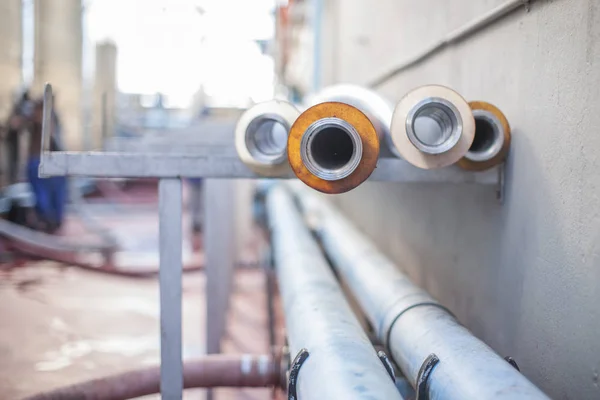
523 276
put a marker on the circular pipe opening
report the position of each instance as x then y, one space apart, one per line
331 149
489 137
266 138
434 126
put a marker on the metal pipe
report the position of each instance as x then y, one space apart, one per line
333 147
261 136
492 138
432 127
342 363
453 37
375 107
410 322
208 372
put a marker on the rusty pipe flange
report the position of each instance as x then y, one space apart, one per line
432 127
333 147
261 136
492 138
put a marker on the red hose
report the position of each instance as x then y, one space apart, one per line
208 372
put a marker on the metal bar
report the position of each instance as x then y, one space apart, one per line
170 280
220 250
116 165
342 363
410 322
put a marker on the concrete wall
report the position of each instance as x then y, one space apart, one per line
524 275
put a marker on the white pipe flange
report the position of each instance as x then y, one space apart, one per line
433 127
261 136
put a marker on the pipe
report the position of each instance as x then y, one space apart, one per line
342 363
261 136
453 37
433 127
410 322
492 138
333 147
375 107
208 372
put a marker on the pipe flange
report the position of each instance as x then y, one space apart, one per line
432 127
356 129
492 149
261 137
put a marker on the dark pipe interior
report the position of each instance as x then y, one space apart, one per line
484 135
331 148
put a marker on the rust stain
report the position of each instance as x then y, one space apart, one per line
363 126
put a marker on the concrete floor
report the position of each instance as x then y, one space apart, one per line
64 325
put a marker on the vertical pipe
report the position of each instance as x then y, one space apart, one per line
342 363
170 276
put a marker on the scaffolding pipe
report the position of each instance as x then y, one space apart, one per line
410 322
342 363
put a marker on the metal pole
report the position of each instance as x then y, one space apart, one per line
170 276
410 322
342 363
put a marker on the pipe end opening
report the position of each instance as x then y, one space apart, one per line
331 149
434 126
266 139
489 137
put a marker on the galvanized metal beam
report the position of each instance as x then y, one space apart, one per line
170 281
136 165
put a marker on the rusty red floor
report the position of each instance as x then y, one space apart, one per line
61 325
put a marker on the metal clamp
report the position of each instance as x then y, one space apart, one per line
423 377
512 362
389 367
292 380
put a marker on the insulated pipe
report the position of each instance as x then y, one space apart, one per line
492 138
375 107
208 372
410 322
333 147
433 127
261 136
342 363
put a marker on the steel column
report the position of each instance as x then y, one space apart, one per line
170 281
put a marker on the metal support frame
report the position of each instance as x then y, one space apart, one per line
170 277
206 160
